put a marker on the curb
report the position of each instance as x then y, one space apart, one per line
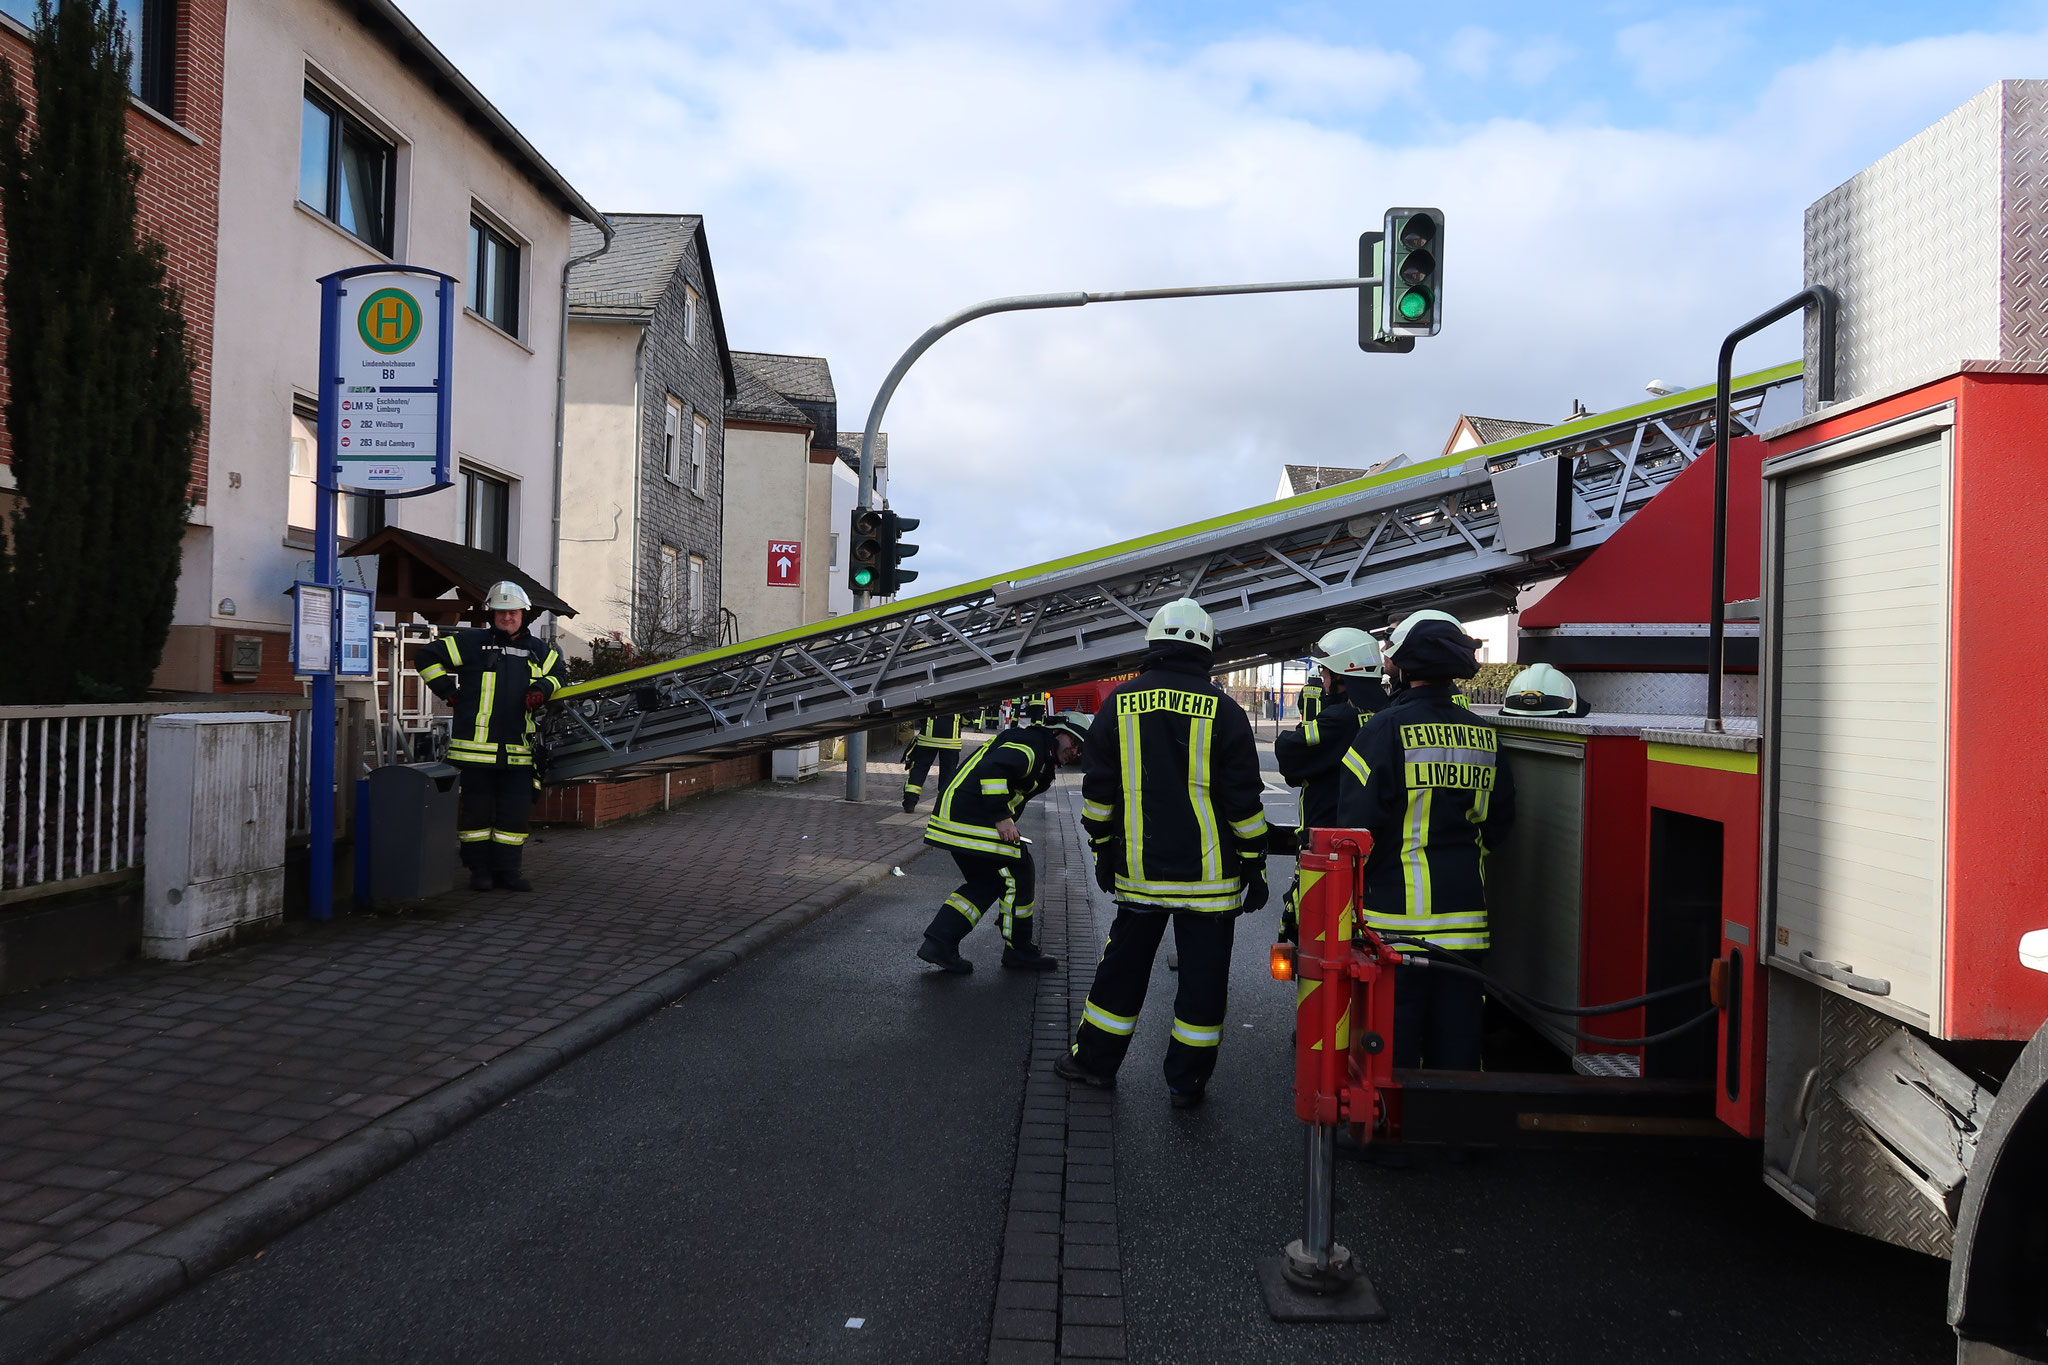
72 1315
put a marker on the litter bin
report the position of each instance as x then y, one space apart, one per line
413 849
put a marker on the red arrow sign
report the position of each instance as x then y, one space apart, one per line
785 563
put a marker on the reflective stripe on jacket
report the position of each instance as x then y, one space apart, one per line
1438 798
1172 795
485 675
939 732
993 785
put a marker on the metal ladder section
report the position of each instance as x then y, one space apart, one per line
1273 577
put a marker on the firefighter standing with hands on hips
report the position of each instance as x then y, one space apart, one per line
495 678
1315 756
1172 806
938 738
976 821
1438 798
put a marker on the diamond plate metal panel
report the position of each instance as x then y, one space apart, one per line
1937 249
1665 694
1859 1190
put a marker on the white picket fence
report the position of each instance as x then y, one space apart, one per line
73 783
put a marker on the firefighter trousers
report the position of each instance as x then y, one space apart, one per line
1438 1016
1008 884
1110 1017
495 813
919 762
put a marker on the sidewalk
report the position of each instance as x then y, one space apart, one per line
142 1113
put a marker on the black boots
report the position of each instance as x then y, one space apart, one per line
1070 1070
909 804
945 956
1028 959
479 880
511 881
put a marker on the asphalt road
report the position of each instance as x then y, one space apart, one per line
826 1133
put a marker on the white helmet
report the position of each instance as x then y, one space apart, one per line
1075 723
505 595
1349 653
1540 690
1183 619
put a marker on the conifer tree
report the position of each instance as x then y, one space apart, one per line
100 410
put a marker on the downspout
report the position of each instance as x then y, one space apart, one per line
562 414
633 546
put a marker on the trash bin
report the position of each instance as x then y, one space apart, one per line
413 849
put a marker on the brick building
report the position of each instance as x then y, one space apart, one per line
644 445
174 124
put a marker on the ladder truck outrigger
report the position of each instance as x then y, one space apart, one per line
1843 875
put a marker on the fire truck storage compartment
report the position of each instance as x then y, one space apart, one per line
1565 893
1857 586
1684 930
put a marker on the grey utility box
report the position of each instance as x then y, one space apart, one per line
213 834
413 850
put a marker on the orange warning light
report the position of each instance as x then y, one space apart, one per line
1282 962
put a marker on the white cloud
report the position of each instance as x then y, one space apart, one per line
1472 50
872 177
1683 48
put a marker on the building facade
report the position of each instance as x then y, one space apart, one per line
347 139
644 447
782 444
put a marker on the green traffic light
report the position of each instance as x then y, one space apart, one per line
1414 304
863 577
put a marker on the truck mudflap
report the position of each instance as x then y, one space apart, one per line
1998 1277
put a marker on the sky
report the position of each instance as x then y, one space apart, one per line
1623 184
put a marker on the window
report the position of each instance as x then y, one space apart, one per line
493 275
700 439
359 514
668 594
152 32
672 441
486 513
346 172
832 561
690 301
693 606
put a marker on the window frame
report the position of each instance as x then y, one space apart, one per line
484 232
668 590
700 451
673 414
340 121
695 568
691 300
473 481
357 516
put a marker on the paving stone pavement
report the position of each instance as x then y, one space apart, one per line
132 1101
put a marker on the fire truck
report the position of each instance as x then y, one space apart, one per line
1785 881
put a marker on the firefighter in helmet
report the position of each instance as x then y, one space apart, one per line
1540 690
976 821
1172 807
495 677
938 740
1315 755
1438 798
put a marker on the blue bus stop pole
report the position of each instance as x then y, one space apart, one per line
320 762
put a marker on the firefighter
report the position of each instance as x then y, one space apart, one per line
1438 797
976 821
495 678
1309 700
1171 804
1315 756
1540 690
938 739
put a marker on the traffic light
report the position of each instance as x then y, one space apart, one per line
894 552
1371 305
1412 283
864 557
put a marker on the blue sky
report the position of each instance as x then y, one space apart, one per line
1623 182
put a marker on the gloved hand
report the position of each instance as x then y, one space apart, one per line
1105 874
536 697
1255 892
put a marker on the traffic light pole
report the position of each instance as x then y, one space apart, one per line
857 742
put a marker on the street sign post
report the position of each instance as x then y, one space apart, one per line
387 336
785 563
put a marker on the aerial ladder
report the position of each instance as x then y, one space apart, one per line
1273 577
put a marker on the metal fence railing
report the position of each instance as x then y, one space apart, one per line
74 782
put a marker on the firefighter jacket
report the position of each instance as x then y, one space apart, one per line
1438 798
939 732
1309 701
993 785
485 675
1316 756
1172 795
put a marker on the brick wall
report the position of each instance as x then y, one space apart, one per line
179 197
609 800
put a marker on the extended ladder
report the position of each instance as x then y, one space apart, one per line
1273 577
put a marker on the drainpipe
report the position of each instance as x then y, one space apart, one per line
639 476
562 416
